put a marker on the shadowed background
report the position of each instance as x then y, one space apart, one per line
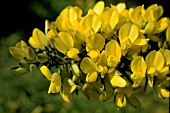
28 93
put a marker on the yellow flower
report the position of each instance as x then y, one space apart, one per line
38 39
138 67
121 7
90 22
95 42
161 87
90 68
55 85
161 25
155 66
136 15
116 80
153 12
155 62
163 92
113 51
120 100
65 43
149 28
99 7
110 18
128 31
122 94
69 18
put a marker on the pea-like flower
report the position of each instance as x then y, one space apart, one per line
55 85
38 39
138 67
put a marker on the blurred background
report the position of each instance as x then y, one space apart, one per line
27 93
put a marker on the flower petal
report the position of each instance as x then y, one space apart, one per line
87 65
113 48
99 7
64 42
46 72
118 81
38 39
155 59
120 100
138 65
91 77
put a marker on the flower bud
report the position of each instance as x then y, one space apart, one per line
32 67
42 57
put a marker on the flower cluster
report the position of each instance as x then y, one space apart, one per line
109 52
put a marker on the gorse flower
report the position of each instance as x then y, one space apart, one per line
111 51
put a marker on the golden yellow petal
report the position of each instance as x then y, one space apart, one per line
113 19
91 77
46 72
99 7
93 54
87 65
163 92
158 60
134 33
56 79
73 88
120 7
99 42
64 42
102 60
75 69
86 23
124 32
138 65
72 53
96 23
38 39
120 100
136 16
118 81
113 48
52 88
161 25
155 59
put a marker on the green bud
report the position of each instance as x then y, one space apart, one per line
32 67
17 53
22 64
41 57
30 54
21 70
